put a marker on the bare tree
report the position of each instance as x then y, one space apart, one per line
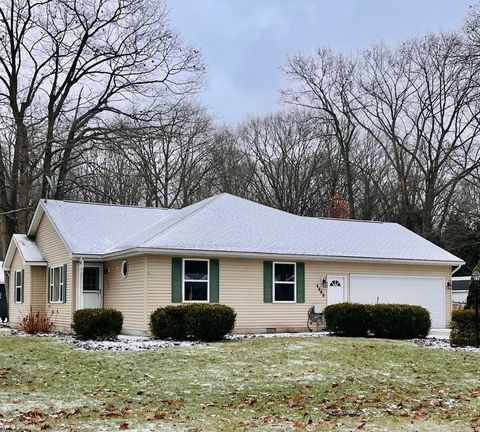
65 69
324 85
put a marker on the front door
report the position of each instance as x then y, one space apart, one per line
336 289
92 286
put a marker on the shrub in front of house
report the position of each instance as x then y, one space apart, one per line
347 319
388 321
36 322
209 322
397 321
206 322
168 322
97 323
462 327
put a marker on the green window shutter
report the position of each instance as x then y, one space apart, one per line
48 284
214 281
23 285
176 280
300 282
267 281
64 277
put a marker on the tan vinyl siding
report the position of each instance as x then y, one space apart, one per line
149 283
39 287
241 286
18 310
127 294
159 282
56 254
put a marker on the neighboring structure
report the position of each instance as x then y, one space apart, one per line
3 296
269 265
460 286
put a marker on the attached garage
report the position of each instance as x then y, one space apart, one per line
425 291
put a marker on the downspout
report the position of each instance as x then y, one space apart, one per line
80 283
456 269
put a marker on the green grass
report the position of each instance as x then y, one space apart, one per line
258 384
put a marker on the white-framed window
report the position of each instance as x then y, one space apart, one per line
284 282
196 280
56 291
19 286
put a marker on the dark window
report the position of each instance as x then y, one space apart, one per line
284 282
195 280
125 269
18 287
91 279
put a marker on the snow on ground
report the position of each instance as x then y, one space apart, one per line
123 343
139 343
442 344
273 335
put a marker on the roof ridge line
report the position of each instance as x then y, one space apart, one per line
176 224
170 227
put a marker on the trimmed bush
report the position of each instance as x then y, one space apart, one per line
168 322
348 319
389 321
463 327
97 324
396 321
207 322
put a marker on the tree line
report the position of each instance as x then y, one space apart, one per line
98 103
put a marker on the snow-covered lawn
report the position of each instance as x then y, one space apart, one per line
245 383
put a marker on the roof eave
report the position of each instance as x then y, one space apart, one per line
273 256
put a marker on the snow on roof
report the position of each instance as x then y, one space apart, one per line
88 228
226 223
2 276
28 249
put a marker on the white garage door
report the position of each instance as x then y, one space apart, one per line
428 292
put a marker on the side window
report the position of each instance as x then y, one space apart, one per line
56 289
19 286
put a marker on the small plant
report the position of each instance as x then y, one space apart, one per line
463 328
97 323
207 322
36 322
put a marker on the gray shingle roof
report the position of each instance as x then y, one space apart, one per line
226 223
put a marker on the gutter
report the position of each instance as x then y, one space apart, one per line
292 257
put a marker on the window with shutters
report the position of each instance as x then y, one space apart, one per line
196 280
56 291
284 282
18 287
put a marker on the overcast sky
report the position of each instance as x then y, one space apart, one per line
245 42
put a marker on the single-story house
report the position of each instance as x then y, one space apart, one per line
460 285
269 265
3 296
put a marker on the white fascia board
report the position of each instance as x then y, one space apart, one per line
229 254
37 217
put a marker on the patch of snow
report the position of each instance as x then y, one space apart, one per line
123 343
29 250
442 343
238 336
